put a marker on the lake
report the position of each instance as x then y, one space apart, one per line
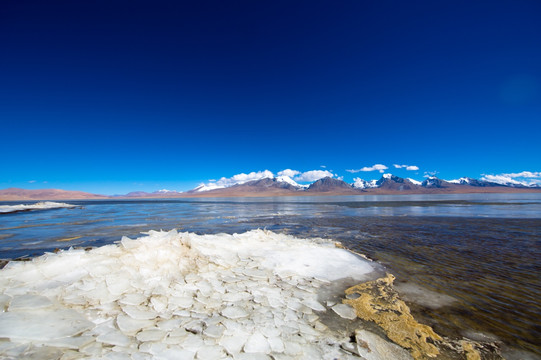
476 256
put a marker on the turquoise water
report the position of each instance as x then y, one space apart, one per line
483 250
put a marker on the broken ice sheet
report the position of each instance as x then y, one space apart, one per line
170 295
43 325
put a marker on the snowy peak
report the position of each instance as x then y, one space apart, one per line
203 187
413 181
395 183
387 178
433 182
165 191
461 181
288 180
363 184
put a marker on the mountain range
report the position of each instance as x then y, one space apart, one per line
285 186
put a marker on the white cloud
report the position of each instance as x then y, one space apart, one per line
379 167
407 167
323 166
525 174
31 181
289 172
526 178
313 175
430 174
242 178
307 176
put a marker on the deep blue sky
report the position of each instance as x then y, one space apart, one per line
111 96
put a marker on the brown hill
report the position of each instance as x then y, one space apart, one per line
263 187
333 186
16 194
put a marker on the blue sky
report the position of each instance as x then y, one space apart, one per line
111 96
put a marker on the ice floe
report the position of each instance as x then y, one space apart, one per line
45 205
170 295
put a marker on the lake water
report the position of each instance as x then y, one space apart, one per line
482 251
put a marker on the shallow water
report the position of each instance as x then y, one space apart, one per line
482 250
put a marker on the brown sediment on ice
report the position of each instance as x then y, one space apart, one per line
377 301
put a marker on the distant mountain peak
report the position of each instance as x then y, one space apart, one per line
396 183
288 180
328 184
363 184
433 182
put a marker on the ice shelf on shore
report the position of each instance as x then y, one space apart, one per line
170 295
44 205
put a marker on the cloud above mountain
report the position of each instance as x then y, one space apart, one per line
243 178
296 175
289 172
407 167
313 175
527 178
376 167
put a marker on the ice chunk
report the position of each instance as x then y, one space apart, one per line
234 312
313 304
372 347
29 302
210 353
183 302
233 344
139 312
75 342
214 331
43 324
174 354
257 343
151 335
117 284
344 311
276 344
114 337
133 299
37 206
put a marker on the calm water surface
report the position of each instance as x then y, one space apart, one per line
483 250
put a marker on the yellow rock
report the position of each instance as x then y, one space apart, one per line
471 352
377 301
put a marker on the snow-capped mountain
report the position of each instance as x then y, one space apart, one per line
413 181
473 182
288 180
392 182
461 181
328 184
165 191
363 184
433 182
202 187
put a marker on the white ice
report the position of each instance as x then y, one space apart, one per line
37 206
179 296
